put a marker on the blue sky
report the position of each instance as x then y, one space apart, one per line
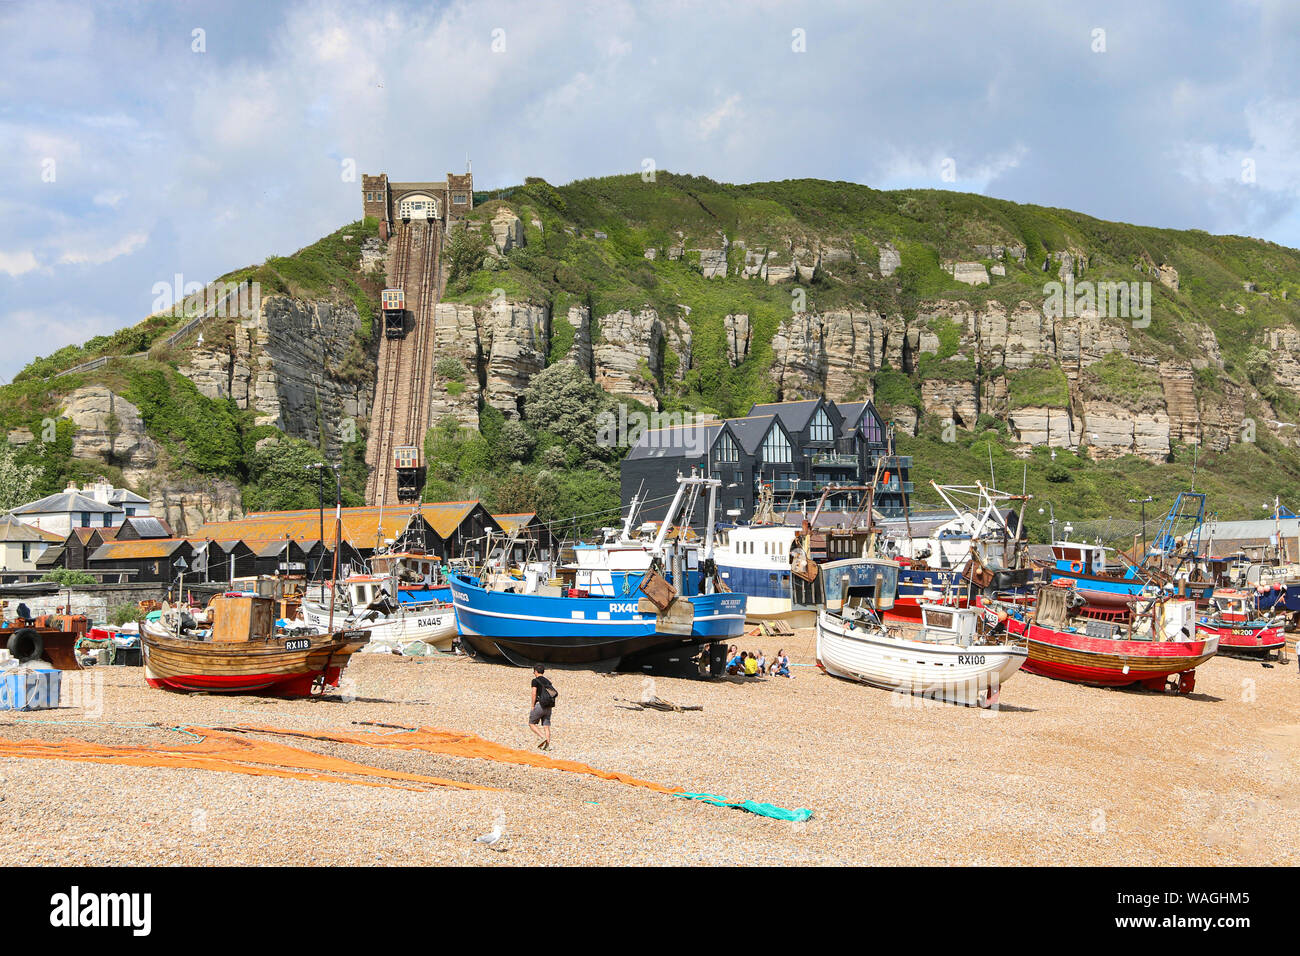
127 155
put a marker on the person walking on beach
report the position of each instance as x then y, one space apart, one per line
539 716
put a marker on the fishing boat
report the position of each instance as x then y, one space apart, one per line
371 606
650 624
1156 647
981 547
236 649
951 656
756 560
1234 620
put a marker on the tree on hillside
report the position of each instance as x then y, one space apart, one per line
18 482
562 400
280 479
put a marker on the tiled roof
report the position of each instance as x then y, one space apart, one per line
751 431
149 527
11 529
148 548
512 521
365 527
794 415
680 441
64 502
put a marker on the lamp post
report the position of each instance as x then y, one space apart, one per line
1143 503
338 532
180 565
1052 511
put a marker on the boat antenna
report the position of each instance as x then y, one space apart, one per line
993 482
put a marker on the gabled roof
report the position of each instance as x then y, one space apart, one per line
511 522
50 556
363 527
11 529
751 431
105 534
128 550
149 527
852 413
63 502
678 441
794 415
125 496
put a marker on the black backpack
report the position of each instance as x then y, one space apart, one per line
547 695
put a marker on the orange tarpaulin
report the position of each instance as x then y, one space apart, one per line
229 753
452 743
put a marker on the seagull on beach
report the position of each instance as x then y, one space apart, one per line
497 839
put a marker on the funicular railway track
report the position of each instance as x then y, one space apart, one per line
399 411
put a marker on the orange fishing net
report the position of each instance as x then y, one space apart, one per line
454 744
229 753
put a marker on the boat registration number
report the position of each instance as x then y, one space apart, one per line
970 658
297 643
426 622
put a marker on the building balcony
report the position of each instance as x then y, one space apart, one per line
895 486
834 460
786 485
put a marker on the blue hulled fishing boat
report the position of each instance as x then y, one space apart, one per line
644 622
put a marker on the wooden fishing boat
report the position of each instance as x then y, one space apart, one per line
241 653
951 656
1157 647
1240 629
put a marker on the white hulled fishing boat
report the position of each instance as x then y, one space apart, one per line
954 655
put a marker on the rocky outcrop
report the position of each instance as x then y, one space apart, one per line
890 260
1050 427
109 428
187 505
456 340
625 359
834 353
515 338
971 273
736 327
507 230
287 366
954 401
579 353
1111 430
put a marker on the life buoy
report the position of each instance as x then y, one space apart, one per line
26 644
1076 566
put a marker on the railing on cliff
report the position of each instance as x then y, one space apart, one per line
217 308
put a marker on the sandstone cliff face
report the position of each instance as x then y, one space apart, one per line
836 352
188 505
283 365
626 357
110 428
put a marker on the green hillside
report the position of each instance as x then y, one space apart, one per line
586 243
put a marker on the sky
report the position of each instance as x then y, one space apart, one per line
141 142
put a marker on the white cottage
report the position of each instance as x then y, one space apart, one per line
98 505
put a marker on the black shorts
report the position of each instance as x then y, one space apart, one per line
540 715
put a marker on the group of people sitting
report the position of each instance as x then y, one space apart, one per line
749 664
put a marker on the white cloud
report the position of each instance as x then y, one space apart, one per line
17 263
709 123
97 255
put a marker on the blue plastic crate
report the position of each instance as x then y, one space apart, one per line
30 689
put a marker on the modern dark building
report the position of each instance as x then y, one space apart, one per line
797 448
